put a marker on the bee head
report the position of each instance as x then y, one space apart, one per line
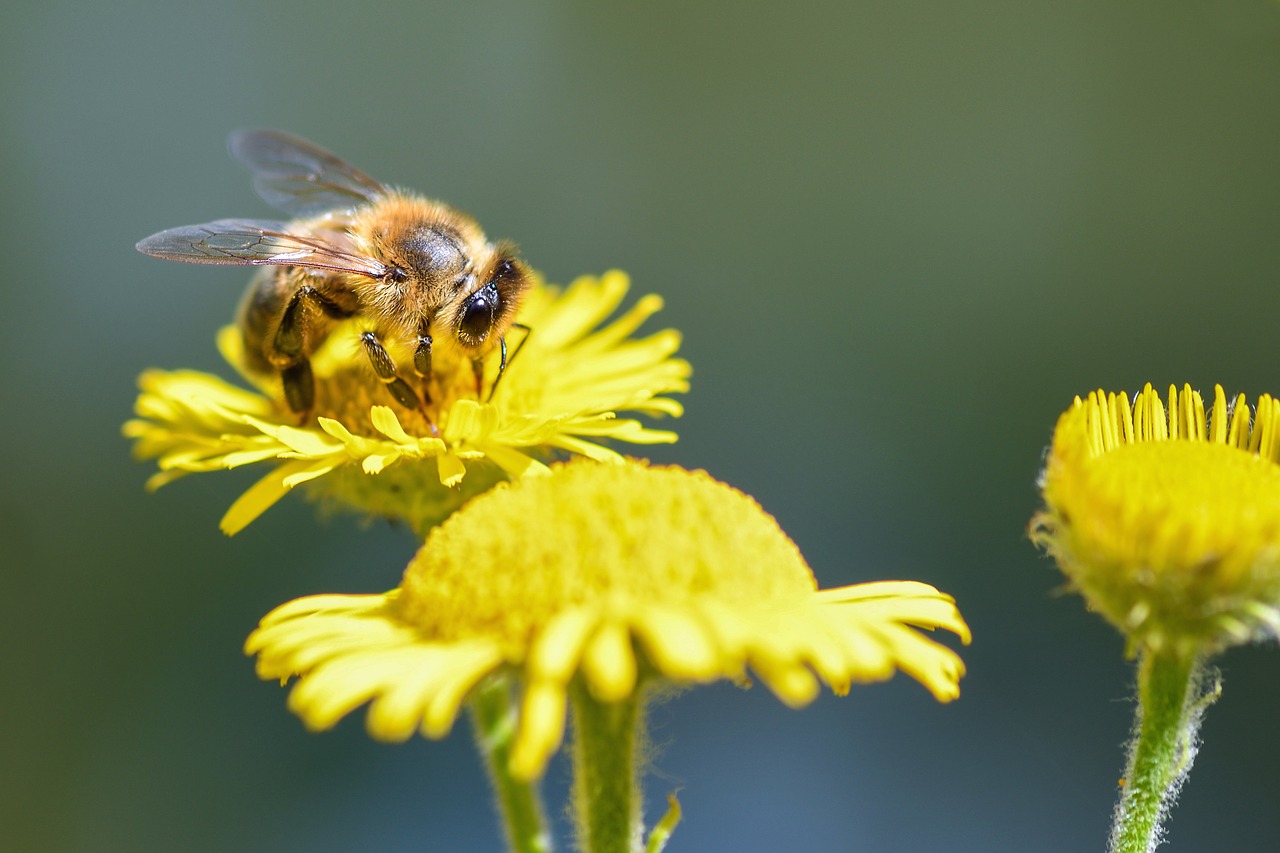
490 309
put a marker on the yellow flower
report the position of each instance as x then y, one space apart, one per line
611 576
1167 516
560 392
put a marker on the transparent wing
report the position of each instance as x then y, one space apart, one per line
256 242
298 177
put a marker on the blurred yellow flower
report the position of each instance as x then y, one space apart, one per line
1166 516
560 393
608 576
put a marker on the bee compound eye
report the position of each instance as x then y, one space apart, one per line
478 315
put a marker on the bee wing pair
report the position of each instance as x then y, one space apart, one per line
297 177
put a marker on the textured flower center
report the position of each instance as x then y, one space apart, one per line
1175 504
607 536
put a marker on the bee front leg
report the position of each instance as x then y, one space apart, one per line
385 369
422 353
422 360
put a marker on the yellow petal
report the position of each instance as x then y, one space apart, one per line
542 715
609 663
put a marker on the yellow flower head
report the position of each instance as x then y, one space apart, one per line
560 393
616 575
1167 517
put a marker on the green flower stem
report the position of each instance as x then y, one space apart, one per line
606 793
1171 703
494 716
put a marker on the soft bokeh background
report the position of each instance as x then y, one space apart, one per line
899 237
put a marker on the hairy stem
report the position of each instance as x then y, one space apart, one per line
606 792
493 713
1172 698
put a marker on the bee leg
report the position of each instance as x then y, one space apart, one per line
422 361
290 346
502 365
422 355
299 387
385 368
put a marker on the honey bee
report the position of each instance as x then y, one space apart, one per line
417 270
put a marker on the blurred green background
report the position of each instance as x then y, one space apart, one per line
899 238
